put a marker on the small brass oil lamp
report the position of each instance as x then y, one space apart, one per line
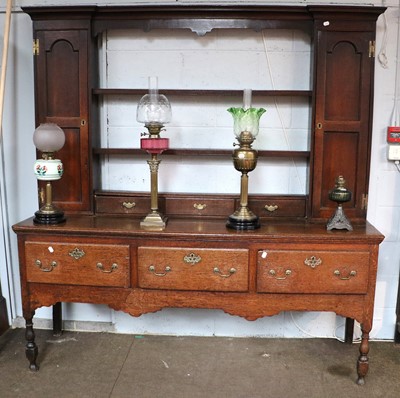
246 126
340 194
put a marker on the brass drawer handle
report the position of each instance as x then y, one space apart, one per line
217 271
271 208
152 269
272 272
77 253
128 205
312 261
39 264
344 278
192 258
113 268
199 206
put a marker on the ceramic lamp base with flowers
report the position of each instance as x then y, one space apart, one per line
48 138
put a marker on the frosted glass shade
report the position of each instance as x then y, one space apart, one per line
48 137
154 109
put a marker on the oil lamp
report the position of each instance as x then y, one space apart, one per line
340 194
246 126
48 138
154 110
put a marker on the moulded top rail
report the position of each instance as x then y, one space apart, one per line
202 18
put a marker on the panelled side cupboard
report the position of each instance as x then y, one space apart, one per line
292 263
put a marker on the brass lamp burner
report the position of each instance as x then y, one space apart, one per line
340 194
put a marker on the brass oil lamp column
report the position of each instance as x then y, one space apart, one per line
154 110
246 126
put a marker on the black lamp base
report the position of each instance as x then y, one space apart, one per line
57 217
241 224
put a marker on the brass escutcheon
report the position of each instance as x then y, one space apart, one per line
344 278
77 253
217 271
272 272
152 269
128 205
100 266
313 261
39 264
192 258
199 206
271 208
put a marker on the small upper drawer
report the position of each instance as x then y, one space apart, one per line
135 205
200 206
77 264
296 271
193 269
278 206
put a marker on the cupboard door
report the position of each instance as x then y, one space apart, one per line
61 69
342 124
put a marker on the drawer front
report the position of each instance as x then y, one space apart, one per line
135 205
278 207
200 206
193 269
77 264
296 271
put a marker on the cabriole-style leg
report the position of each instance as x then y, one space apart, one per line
31 349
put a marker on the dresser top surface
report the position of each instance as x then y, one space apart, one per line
189 229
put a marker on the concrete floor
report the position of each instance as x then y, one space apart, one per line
113 365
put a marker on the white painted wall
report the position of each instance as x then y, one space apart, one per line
182 59
19 153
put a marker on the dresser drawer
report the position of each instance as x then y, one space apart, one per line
135 205
200 206
296 271
193 269
77 264
278 206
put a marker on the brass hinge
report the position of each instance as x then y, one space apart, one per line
364 202
371 49
35 46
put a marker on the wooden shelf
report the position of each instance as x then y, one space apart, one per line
168 92
200 152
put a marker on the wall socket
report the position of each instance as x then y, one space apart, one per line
394 152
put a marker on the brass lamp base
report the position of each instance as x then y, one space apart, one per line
243 219
154 221
56 216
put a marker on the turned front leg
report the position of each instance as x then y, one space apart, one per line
31 349
362 363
